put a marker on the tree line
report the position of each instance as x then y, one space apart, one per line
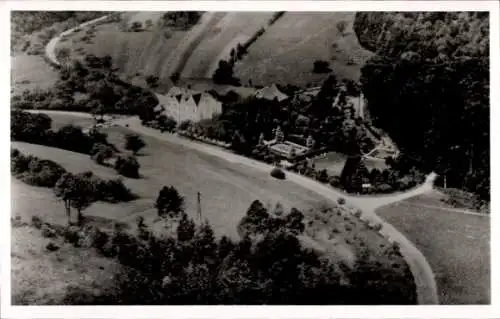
428 87
36 128
187 264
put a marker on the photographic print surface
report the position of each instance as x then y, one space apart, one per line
250 158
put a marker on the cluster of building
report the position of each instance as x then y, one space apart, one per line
184 104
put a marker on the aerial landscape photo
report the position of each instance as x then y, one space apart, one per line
250 158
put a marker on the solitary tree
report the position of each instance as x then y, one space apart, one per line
134 143
341 26
127 166
175 77
101 152
152 81
186 228
136 26
77 191
169 202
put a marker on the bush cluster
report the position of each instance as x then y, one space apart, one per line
127 166
36 128
35 171
45 173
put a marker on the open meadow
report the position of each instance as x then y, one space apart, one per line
456 245
41 277
134 53
29 72
233 28
285 53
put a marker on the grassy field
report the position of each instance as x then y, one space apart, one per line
287 50
227 190
233 28
456 245
40 277
134 53
29 72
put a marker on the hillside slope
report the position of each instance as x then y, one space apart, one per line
285 53
233 28
155 49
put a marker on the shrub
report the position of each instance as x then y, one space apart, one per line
334 181
341 26
358 213
136 26
377 227
48 231
127 166
322 176
101 153
384 188
341 201
92 236
321 67
278 173
51 246
72 235
114 191
134 143
36 222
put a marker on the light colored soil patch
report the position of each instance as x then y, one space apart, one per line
42 278
29 72
456 245
286 52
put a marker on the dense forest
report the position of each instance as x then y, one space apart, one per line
428 87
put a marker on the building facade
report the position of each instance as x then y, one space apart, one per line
183 104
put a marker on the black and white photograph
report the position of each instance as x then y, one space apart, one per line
249 157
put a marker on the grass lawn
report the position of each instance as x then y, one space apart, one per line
29 72
333 162
285 53
456 245
40 277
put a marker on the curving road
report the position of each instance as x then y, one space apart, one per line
50 48
420 268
